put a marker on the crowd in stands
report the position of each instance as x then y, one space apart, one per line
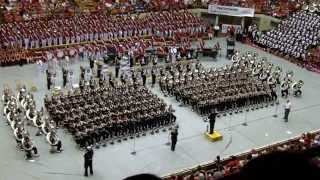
276 160
88 28
294 36
35 9
97 32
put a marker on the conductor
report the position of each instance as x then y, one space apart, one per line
212 120
88 156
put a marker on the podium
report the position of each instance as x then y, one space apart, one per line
216 136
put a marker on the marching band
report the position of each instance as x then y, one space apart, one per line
95 113
21 110
249 81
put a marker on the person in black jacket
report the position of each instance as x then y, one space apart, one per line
88 157
174 138
117 67
64 76
49 83
91 61
212 120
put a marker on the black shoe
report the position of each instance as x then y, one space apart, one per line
86 175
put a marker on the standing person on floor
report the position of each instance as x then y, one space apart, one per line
91 61
287 109
153 77
117 67
48 79
88 157
212 120
64 76
174 138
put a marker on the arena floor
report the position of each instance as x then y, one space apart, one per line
115 162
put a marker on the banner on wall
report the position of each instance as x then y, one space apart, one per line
230 10
225 27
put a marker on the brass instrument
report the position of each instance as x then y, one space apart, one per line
263 76
37 121
296 87
27 144
271 80
256 71
45 127
313 7
52 138
18 133
34 112
284 86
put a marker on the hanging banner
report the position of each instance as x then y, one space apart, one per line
230 10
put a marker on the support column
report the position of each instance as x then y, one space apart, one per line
216 22
242 22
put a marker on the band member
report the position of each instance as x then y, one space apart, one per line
88 158
284 89
28 147
287 108
18 132
144 78
54 141
82 72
